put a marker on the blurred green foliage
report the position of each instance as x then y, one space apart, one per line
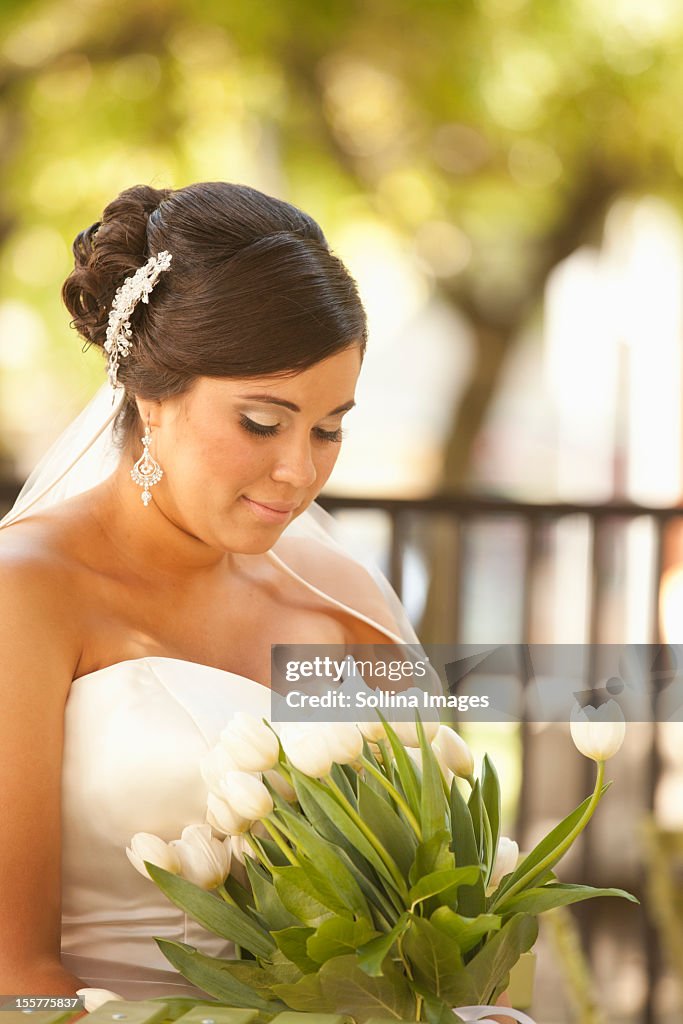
490 135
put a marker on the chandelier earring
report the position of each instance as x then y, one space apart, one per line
146 472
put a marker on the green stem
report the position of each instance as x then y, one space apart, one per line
260 854
225 895
275 835
559 851
388 861
395 795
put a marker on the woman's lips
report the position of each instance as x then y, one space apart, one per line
277 513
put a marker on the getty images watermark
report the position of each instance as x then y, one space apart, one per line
478 683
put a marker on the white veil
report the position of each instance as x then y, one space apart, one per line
85 454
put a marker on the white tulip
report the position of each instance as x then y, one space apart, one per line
373 731
214 765
93 998
307 748
250 743
246 795
598 732
345 742
453 752
239 847
507 856
146 847
407 731
222 816
204 859
280 785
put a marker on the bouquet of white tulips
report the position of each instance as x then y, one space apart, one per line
373 883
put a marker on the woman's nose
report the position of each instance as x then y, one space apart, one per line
295 465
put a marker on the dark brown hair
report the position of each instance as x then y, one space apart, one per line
253 288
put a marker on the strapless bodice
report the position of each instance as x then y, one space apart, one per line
134 736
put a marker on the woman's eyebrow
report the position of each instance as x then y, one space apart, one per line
295 408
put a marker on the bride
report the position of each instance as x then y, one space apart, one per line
138 609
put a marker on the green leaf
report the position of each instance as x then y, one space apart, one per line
242 897
338 937
546 848
537 901
339 817
325 857
477 811
370 779
471 901
490 793
214 914
433 811
268 903
372 955
437 963
261 978
440 881
438 1012
319 820
405 767
344 783
432 855
397 838
349 990
292 942
467 931
211 975
305 995
303 897
499 955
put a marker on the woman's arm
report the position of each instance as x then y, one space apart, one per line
38 652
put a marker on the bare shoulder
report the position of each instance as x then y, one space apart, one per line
39 591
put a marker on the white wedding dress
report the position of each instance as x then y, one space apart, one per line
134 736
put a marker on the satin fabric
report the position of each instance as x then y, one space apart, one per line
134 736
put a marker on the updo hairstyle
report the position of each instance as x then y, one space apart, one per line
253 289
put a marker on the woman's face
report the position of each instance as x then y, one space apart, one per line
243 458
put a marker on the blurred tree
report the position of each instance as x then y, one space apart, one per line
493 134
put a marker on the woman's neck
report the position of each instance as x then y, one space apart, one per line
146 538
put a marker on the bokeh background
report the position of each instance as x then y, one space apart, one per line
503 177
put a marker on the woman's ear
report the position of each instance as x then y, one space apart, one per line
148 411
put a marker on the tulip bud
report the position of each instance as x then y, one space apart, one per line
594 732
345 742
214 765
204 860
307 748
93 998
280 785
251 745
146 847
246 795
407 731
222 816
373 731
452 751
239 847
507 856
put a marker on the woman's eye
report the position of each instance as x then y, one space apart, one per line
259 429
334 436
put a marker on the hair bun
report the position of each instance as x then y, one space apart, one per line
104 255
